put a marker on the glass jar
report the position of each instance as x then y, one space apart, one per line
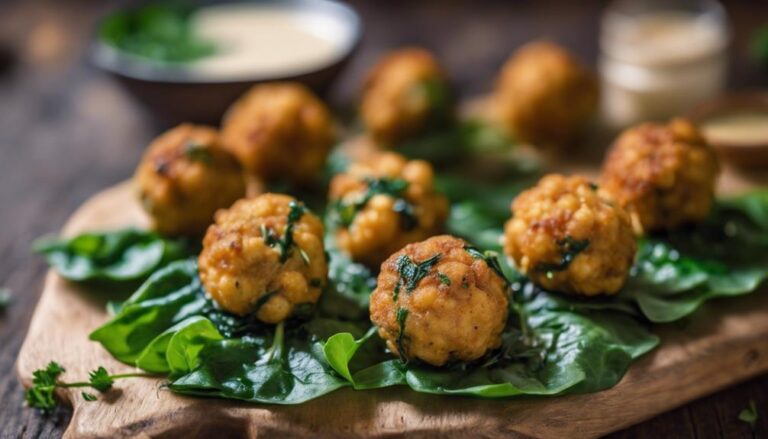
659 58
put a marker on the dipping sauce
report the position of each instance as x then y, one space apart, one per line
266 40
657 63
241 41
748 128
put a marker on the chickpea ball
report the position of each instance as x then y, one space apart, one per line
439 300
664 175
384 202
405 93
184 177
264 256
279 131
566 237
544 96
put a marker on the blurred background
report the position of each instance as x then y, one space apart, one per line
74 116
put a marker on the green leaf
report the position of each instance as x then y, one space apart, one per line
42 393
339 349
175 350
100 380
158 32
169 296
112 258
90 397
749 414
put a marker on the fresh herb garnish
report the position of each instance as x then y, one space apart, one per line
570 248
198 152
490 258
749 414
402 315
444 279
45 382
160 32
345 211
90 397
411 273
284 245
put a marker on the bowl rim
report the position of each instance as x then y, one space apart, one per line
731 103
115 61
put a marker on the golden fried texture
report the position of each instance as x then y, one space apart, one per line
565 237
246 268
455 310
184 177
664 175
374 222
404 91
279 131
544 96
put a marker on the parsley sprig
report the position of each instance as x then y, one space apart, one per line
45 382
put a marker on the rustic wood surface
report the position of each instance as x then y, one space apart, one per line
722 344
67 131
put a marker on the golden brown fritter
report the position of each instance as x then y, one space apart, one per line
438 301
566 237
184 177
279 131
384 202
264 255
404 93
664 175
544 96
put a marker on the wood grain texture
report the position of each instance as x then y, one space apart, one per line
721 345
67 132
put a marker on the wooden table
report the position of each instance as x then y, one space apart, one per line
66 131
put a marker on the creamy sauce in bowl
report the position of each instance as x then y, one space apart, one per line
270 40
250 41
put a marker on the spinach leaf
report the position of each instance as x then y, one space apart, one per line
117 257
559 350
726 255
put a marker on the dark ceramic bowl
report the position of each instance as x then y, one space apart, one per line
174 95
750 155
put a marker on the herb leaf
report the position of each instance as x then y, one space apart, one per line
285 244
100 379
412 273
570 248
749 414
90 397
344 212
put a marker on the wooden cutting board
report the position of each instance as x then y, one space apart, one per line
726 342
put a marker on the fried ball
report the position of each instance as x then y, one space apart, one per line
384 202
439 300
184 177
405 93
264 256
544 96
566 237
279 132
664 175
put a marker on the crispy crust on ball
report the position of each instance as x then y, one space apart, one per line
664 175
279 131
456 312
544 96
184 177
377 230
565 237
395 104
244 274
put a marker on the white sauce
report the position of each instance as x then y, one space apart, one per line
267 40
737 129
